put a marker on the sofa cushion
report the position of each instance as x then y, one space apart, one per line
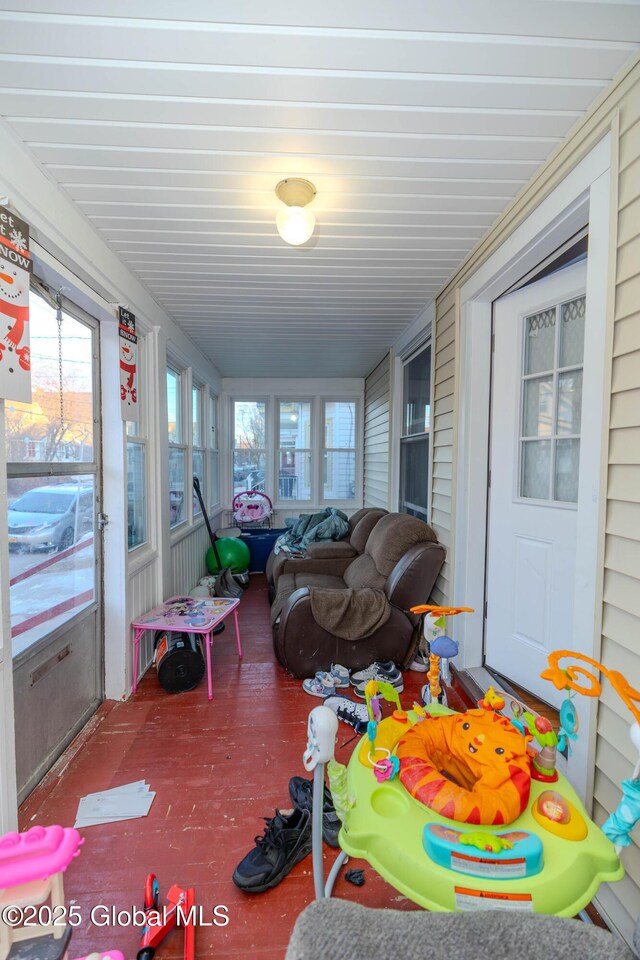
324 580
362 572
391 537
330 549
362 530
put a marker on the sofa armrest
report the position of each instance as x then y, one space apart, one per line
330 550
414 575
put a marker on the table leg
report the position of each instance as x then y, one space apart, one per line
235 617
136 652
208 642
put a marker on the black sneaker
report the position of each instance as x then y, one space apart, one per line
285 842
301 793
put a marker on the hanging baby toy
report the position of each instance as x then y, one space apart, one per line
627 814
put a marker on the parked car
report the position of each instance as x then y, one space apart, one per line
51 518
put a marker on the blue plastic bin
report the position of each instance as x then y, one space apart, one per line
260 543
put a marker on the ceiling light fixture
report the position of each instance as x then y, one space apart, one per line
295 223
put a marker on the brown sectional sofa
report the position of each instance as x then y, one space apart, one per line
402 557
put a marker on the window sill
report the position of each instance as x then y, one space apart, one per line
139 558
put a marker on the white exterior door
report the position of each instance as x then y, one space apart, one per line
537 471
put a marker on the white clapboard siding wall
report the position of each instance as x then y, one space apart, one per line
618 111
376 436
144 593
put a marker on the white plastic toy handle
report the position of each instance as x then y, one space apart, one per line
321 731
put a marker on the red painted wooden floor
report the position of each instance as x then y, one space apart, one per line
217 768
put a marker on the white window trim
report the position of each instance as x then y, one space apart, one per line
212 430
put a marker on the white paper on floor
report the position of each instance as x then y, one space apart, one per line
127 802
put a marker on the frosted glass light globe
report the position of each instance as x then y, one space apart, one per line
295 224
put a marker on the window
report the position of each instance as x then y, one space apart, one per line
414 442
137 438
294 450
177 449
198 444
213 451
552 402
339 453
249 445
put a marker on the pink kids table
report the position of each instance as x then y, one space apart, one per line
187 615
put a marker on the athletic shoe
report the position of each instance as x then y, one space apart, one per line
420 662
393 677
321 685
340 673
301 793
286 841
371 672
355 714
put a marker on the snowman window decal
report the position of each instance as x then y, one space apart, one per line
128 365
15 265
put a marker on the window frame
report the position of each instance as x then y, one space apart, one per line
311 451
212 449
405 438
199 388
268 436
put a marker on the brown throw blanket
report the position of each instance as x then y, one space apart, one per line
349 614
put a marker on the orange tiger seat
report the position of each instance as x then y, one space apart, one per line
470 767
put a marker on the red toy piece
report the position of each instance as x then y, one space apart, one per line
161 920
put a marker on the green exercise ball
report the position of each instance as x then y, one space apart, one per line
233 552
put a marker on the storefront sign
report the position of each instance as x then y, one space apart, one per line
128 366
15 267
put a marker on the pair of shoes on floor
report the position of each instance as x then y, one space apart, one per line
286 839
386 671
327 682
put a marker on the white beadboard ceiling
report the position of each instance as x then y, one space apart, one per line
169 126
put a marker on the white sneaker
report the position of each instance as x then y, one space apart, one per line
420 662
322 685
374 671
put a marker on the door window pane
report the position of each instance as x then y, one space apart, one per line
572 332
536 460
177 513
540 339
51 553
538 407
58 424
552 405
136 504
567 470
569 403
